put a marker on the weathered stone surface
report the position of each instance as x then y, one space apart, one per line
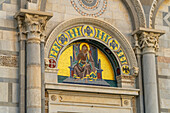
5 109
9 7
15 92
9 61
4 92
3 14
9 72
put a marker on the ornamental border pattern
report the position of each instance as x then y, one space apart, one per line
151 13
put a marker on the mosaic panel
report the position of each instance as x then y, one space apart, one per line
83 63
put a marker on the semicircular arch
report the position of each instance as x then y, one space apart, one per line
107 30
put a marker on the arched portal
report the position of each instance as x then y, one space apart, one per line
98 35
78 53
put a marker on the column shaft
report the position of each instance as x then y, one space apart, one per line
33 78
150 83
22 77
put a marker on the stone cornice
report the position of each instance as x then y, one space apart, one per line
142 29
92 89
22 13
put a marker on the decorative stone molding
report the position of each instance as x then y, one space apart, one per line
125 81
53 97
46 61
135 71
52 70
151 14
9 61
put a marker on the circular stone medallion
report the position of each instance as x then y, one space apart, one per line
93 8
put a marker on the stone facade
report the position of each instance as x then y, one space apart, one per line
28 29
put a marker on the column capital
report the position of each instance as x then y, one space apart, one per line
34 24
147 40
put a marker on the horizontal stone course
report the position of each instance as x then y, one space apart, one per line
7 109
8 23
9 45
9 72
10 7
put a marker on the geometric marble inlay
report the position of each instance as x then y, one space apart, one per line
93 8
166 18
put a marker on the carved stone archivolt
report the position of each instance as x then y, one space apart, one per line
140 12
153 7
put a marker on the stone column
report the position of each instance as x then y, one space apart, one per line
34 23
34 27
148 43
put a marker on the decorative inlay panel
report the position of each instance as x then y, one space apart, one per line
10 61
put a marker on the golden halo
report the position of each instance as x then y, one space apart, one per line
88 47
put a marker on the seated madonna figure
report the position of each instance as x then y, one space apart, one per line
84 67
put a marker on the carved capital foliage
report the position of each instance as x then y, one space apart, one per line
35 25
32 24
149 40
